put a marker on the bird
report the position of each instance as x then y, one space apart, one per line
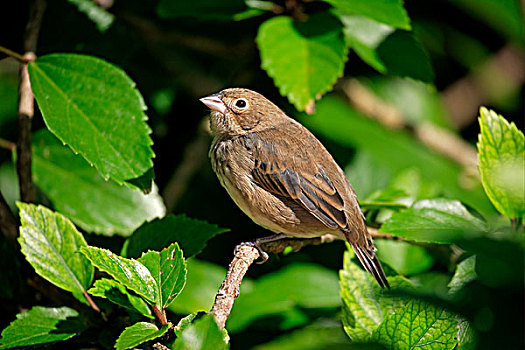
282 177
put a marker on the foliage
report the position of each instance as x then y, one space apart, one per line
123 246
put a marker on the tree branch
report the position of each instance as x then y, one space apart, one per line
244 256
26 108
439 139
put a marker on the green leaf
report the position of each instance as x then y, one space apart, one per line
202 9
390 12
94 107
465 272
118 294
501 154
202 283
434 220
168 268
404 56
96 13
203 334
129 272
51 243
184 323
364 36
41 325
405 258
395 53
365 304
139 333
305 59
366 174
191 234
418 324
337 121
390 198
77 190
294 286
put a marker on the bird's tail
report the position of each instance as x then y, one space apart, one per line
371 263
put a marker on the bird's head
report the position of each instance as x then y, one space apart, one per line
239 111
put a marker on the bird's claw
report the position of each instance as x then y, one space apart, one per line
263 256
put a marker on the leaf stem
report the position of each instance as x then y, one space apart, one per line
91 302
13 54
161 315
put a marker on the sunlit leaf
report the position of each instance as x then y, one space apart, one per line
51 244
465 272
118 294
303 58
94 107
41 325
405 258
434 220
168 268
365 304
77 190
418 324
390 12
139 333
202 334
501 154
129 272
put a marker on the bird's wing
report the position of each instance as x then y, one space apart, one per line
309 185
297 176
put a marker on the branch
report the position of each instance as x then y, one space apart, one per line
246 254
8 145
439 139
26 108
8 223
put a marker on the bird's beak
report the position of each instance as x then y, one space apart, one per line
214 102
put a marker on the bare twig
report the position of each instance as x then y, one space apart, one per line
26 108
440 140
8 145
195 154
501 75
376 234
13 54
8 223
245 255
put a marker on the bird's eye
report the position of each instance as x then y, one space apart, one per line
241 103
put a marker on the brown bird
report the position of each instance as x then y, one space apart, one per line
282 177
